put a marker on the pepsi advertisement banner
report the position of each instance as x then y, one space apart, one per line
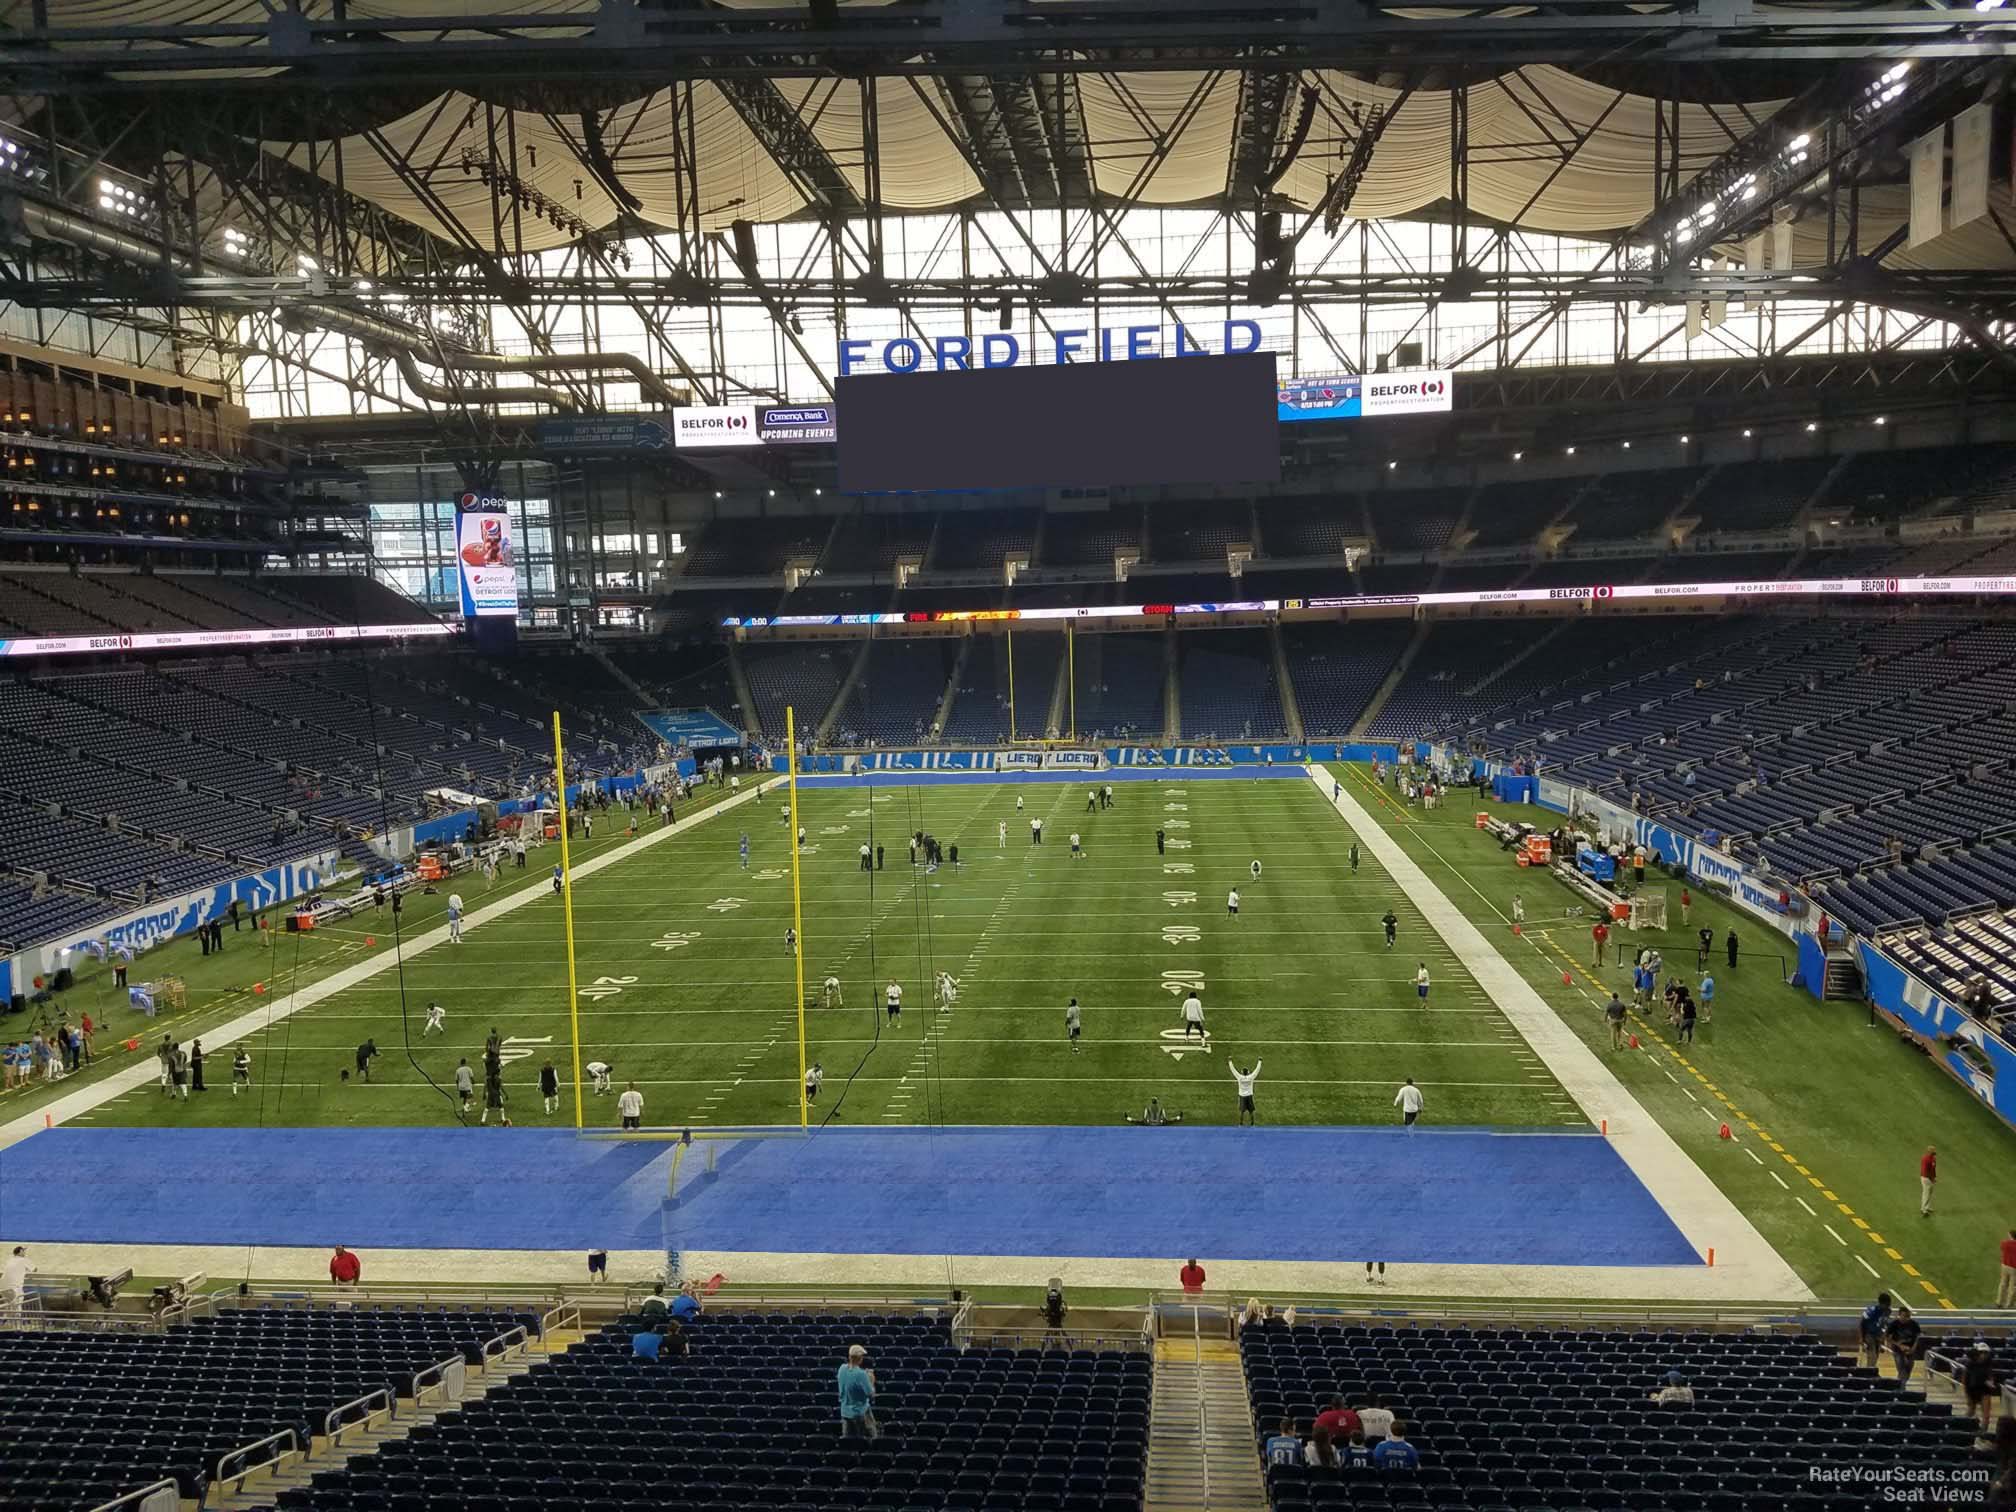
488 566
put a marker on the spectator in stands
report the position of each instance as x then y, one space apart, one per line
1376 1419
1977 1379
654 1308
685 1306
1875 1323
645 1343
1905 1335
1283 1447
2005 1290
14 1281
1928 1178
345 1269
1675 1393
1320 1453
1356 1453
1396 1453
857 1396
1191 1277
1338 1421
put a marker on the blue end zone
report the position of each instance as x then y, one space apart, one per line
1454 1196
908 777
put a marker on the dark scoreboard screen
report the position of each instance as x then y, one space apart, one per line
1200 420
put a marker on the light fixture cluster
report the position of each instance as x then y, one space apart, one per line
117 198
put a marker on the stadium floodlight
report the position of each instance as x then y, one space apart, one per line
1571 451
1627 446
773 493
817 492
1811 426
1880 420
1518 455
1746 432
1391 465
1684 440
717 493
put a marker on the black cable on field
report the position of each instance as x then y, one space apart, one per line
398 929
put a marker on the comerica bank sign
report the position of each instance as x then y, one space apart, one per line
1000 349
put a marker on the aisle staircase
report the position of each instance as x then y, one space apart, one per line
1201 1451
357 1441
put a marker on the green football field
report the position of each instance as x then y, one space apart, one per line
688 987
688 990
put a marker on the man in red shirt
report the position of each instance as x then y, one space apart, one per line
344 1267
1600 933
1928 1177
1192 1277
1686 906
1339 1420
2005 1294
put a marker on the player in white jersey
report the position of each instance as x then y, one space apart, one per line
436 1019
814 1075
1001 833
893 1002
1193 1018
599 1070
1245 1081
832 992
1255 869
948 989
455 918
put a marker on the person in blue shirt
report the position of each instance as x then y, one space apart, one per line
1707 997
1283 1448
644 1344
857 1396
1875 1319
745 850
1356 1454
1396 1453
685 1307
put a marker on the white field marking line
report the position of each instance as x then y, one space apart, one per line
1785 1184
1834 1236
1866 1265
1753 1155
1747 1263
415 1084
1800 1200
119 1083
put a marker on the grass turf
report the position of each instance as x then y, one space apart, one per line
1841 1111
687 986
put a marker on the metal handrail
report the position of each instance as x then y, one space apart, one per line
1500 1311
1203 1411
439 1373
140 1497
286 1437
333 1422
985 1335
202 1304
962 1324
502 1345
565 1315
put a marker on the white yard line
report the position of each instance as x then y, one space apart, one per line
145 1071
1745 1263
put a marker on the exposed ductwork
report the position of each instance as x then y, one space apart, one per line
33 218
48 222
426 388
573 362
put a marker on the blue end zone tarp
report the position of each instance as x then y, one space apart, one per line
1449 1196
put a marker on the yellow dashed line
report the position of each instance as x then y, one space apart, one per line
1648 1032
